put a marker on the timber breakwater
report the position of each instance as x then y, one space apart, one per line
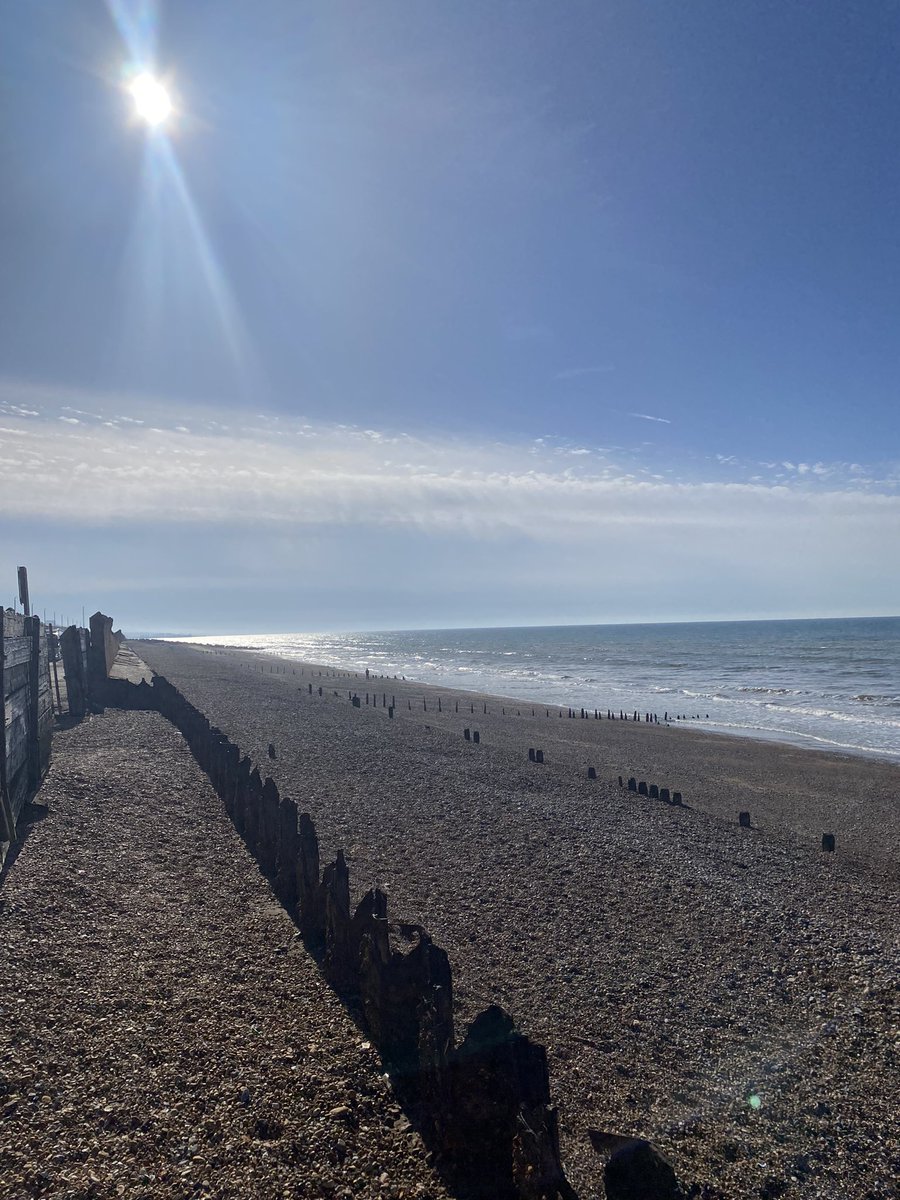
483 1103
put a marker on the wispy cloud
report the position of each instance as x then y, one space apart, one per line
539 518
648 417
273 469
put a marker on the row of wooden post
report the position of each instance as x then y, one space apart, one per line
484 1103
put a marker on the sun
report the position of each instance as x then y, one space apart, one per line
151 100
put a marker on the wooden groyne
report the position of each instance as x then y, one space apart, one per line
482 1102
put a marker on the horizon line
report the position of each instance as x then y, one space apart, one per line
168 636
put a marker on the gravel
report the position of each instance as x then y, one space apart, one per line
163 1033
729 994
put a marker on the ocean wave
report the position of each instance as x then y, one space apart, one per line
776 733
831 714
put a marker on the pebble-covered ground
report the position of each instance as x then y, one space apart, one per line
162 1031
730 994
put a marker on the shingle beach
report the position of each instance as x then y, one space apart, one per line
728 993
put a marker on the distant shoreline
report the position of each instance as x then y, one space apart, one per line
699 726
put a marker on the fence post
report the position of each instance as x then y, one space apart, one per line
33 631
5 807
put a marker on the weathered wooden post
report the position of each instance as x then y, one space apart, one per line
7 821
312 920
73 667
592 772
339 965
642 788
654 792
632 784
744 820
539 756
33 631
828 842
286 854
476 737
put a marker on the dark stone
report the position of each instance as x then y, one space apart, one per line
639 1172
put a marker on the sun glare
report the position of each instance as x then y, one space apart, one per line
151 100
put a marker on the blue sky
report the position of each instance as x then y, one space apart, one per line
430 314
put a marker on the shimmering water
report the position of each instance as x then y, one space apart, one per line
834 684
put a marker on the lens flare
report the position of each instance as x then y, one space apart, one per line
151 100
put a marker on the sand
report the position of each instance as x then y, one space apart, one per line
728 993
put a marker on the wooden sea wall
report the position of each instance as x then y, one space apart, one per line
27 715
26 690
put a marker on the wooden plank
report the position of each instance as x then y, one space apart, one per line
16 678
18 791
17 756
16 651
14 624
7 818
17 707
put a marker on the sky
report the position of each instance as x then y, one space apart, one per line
424 314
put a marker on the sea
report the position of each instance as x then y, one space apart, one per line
832 684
